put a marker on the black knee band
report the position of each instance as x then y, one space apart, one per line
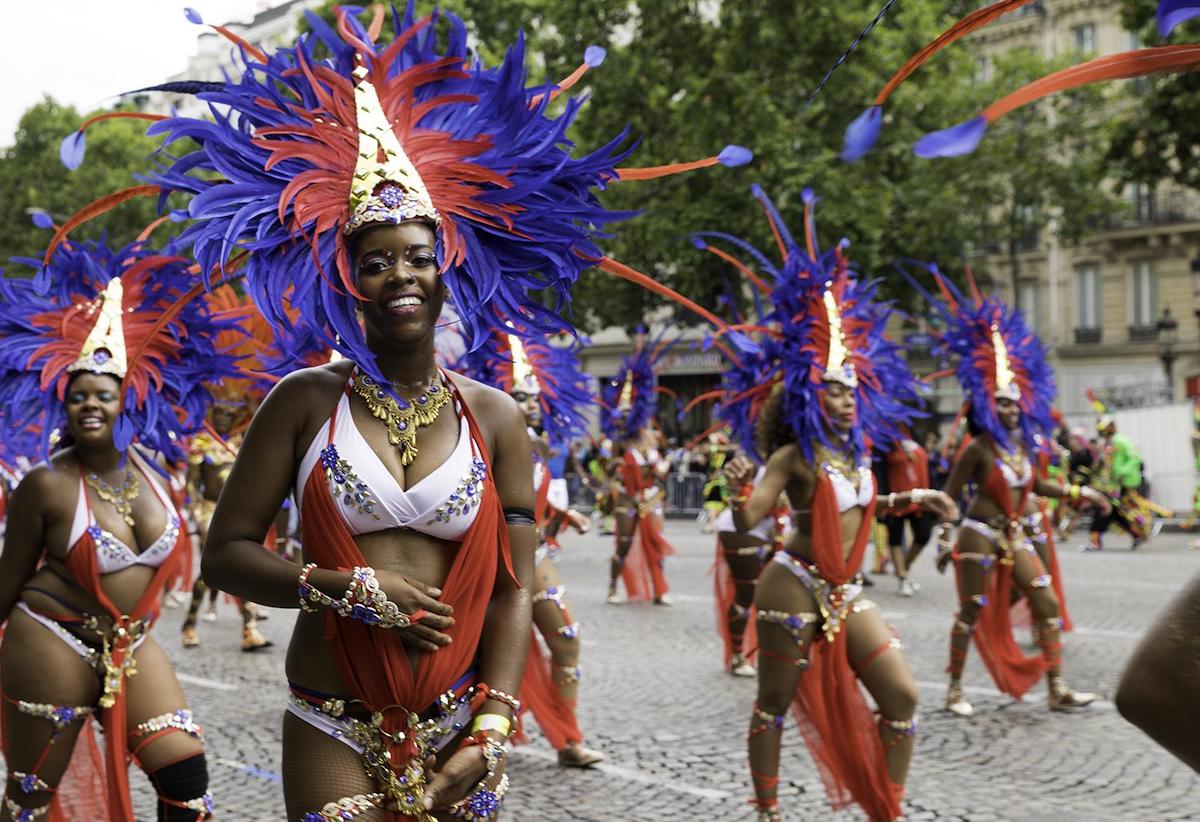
182 783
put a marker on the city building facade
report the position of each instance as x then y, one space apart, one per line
1120 309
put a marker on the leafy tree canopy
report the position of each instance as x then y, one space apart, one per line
1160 139
32 177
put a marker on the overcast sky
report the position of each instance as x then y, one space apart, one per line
83 52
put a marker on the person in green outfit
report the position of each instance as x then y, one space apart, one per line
1119 475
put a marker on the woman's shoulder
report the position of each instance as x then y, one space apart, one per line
318 384
491 406
53 477
791 458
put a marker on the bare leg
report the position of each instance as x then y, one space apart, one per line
38 668
1032 578
740 552
624 539
190 637
164 738
876 657
971 570
552 617
318 769
783 656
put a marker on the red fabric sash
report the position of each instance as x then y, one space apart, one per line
543 511
82 563
1013 672
724 595
376 667
838 726
632 476
642 572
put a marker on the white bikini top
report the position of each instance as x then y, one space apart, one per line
651 458
442 505
112 554
1010 476
847 495
762 529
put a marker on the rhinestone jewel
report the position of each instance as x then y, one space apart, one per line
344 483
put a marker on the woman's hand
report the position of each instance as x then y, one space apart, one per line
1093 496
739 472
939 504
458 777
410 596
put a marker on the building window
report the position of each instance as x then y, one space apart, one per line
1084 38
1145 296
1087 295
1027 301
1145 205
983 70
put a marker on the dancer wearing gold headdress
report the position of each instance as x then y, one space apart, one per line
629 404
834 381
412 173
93 534
1003 371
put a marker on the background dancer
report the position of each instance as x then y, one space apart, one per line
210 459
629 404
1010 389
837 381
906 466
108 358
1119 476
520 365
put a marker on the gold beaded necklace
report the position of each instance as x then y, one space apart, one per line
1016 460
402 422
839 461
120 497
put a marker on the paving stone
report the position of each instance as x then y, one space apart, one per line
654 698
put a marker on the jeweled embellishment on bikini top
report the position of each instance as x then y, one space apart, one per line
345 484
466 494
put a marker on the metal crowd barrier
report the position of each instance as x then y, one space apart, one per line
685 493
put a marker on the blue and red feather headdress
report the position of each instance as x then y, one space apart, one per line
629 401
823 324
998 355
121 312
302 149
519 360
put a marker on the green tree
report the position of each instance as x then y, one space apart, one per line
1159 139
33 177
692 75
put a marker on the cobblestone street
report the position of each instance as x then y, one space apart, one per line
672 722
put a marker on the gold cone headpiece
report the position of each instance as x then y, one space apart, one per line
838 367
103 351
387 190
523 378
1006 383
625 401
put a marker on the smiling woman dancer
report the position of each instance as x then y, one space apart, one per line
368 187
93 535
838 383
1010 389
